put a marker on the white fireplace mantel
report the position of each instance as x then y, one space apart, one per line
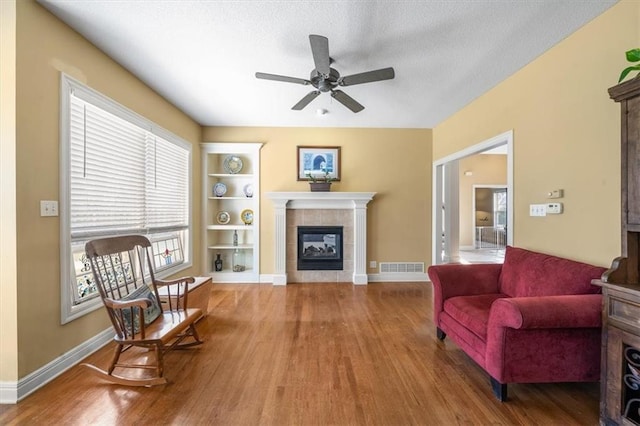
357 201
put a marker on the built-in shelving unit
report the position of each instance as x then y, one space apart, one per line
236 241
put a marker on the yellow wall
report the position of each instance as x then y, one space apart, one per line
566 136
487 170
8 288
45 47
395 163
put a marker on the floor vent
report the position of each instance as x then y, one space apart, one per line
402 267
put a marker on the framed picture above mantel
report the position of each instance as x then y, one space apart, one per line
318 161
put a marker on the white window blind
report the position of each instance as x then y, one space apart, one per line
124 179
120 174
107 173
167 180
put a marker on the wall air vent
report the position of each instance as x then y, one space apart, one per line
402 267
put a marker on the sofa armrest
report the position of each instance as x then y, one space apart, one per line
452 280
464 280
566 311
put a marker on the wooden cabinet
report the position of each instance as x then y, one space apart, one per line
620 370
625 269
620 375
633 163
231 211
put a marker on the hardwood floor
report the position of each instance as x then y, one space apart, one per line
310 354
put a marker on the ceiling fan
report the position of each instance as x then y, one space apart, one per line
327 79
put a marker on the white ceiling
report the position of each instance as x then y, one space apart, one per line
202 55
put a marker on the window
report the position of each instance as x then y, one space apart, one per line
500 207
120 174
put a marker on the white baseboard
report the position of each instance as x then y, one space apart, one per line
266 278
12 392
398 277
382 277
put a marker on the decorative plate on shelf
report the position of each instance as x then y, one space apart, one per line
247 216
219 189
248 190
232 164
223 218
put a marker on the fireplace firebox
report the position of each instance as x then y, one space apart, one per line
320 248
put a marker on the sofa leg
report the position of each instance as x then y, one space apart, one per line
440 334
499 390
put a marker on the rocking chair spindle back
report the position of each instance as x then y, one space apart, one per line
124 274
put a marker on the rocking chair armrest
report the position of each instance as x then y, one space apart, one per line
187 280
174 292
119 304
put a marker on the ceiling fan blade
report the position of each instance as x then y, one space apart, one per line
320 51
346 100
306 100
368 77
282 78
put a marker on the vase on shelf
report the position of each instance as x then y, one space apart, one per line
320 186
218 263
238 261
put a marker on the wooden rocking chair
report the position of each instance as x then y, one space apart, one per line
124 274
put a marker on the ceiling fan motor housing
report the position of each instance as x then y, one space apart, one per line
325 84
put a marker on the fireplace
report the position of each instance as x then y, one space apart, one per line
320 248
346 209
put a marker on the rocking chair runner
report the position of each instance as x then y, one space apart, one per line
124 274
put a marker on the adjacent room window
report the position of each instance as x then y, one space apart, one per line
120 174
500 207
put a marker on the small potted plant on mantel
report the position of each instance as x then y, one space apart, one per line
633 56
320 182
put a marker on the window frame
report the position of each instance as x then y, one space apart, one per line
69 309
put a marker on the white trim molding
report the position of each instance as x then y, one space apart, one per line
12 392
443 187
386 277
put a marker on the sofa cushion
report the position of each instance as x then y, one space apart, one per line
472 311
526 273
464 338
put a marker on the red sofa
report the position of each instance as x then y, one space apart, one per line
535 318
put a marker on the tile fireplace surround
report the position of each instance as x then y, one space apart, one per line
347 209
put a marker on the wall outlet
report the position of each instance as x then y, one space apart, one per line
373 264
537 209
48 208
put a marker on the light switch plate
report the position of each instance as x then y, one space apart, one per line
537 209
48 208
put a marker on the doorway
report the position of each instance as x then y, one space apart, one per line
446 229
489 220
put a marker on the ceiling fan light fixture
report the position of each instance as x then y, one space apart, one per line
321 111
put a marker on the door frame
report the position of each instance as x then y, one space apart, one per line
445 194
